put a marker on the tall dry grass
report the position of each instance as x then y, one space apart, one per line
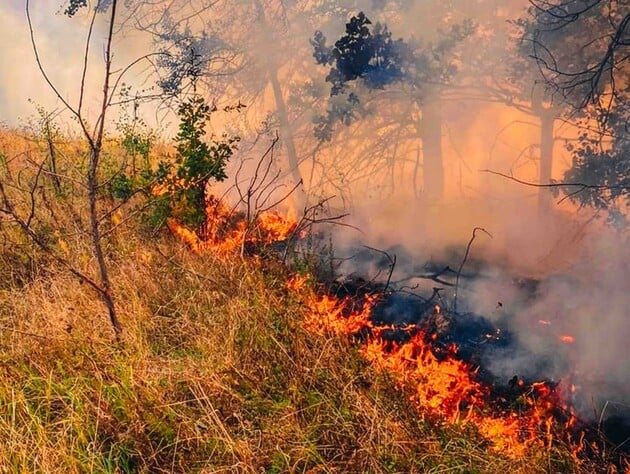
215 372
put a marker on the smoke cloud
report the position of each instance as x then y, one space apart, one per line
555 274
556 287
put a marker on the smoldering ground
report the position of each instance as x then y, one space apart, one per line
557 291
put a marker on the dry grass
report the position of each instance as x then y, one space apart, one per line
216 373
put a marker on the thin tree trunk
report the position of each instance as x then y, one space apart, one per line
281 108
431 135
285 126
53 155
416 168
92 182
547 119
97 244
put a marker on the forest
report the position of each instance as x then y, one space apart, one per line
343 236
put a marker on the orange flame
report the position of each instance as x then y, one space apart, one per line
277 228
439 385
226 231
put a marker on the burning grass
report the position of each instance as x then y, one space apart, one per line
527 419
218 372
227 230
228 365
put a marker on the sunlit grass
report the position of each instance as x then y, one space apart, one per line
216 372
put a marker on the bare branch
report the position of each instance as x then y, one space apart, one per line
75 112
461 265
392 264
86 55
10 210
582 186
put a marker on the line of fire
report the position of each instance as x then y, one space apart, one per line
435 353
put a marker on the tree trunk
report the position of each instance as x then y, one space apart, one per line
92 182
285 128
547 119
286 131
431 135
97 245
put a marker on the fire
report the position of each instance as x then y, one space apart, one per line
329 316
439 384
226 231
565 338
275 226
185 234
444 387
297 283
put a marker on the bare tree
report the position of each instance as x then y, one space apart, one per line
581 47
94 139
90 179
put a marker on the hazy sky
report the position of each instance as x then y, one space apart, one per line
19 78
60 41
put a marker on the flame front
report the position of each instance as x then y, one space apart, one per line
226 230
441 386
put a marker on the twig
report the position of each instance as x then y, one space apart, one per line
436 276
461 265
39 241
24 333
309 219
581 186
392 264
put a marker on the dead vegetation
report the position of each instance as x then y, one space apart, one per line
215 372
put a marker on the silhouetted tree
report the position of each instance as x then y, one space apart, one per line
580 46
583 50
366 59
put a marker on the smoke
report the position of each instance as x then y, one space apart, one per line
556 287
61 45
554 275
573 326
18 77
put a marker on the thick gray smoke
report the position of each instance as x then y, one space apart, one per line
573 326
555 276
560 293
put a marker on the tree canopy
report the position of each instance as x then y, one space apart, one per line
582 49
